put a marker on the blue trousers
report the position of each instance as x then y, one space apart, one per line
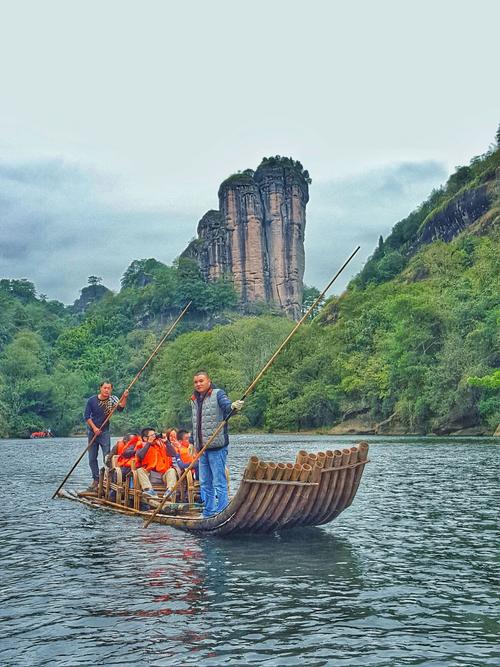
213 483
104 441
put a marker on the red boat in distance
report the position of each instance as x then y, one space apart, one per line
42 434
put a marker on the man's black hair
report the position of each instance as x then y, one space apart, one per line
202 372
181 433
105 382
145 431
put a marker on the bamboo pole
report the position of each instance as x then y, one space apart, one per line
251 387
125 393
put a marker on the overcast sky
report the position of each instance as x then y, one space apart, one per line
119 119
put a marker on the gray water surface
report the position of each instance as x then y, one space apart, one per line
406 576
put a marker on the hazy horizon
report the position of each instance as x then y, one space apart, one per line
120 120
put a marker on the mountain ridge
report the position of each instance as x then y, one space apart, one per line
411 346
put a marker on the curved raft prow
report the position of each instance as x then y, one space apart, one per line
275 496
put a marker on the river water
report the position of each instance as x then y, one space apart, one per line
405 576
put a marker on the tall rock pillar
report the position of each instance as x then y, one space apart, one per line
257 236
241 208
284 194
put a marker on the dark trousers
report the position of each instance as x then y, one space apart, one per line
103 440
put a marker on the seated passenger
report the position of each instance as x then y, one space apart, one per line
185 446
116 450
182 454
154 463
126 452
171 436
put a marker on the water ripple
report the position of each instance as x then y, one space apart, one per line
407 576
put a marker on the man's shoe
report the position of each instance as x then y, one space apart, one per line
150 492
94 486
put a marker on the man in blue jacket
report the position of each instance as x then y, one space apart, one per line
210 406
96 411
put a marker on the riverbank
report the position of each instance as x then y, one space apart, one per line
349 427
395 428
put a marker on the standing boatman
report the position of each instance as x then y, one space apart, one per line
210 406
96 411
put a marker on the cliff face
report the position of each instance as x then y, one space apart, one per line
461 212
257 236
89 295
468 204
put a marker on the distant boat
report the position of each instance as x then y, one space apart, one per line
271 496
42 434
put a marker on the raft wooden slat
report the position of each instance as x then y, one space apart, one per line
296 500
327 483
270 497
343 485
316 461
268 521
267 497
338 485
362 461
324 460
278 482
281 503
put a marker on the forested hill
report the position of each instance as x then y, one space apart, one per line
412 346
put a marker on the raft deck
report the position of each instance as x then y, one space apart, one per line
271 496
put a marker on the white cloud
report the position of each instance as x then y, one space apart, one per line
60 224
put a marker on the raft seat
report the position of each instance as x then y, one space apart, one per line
125 490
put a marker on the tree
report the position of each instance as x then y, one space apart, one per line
94 280
491 381
22 289
141 272
309 296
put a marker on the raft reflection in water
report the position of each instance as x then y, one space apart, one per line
235 577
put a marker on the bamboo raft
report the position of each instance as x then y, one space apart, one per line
271 496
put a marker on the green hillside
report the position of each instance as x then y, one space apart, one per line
412 346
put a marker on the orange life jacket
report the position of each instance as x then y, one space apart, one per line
156 458
122 461
183 450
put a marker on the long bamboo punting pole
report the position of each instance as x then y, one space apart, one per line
138 375
252 386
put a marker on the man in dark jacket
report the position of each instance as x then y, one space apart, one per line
210 406
96 411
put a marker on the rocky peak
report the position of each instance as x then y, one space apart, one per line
257 235
88 296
